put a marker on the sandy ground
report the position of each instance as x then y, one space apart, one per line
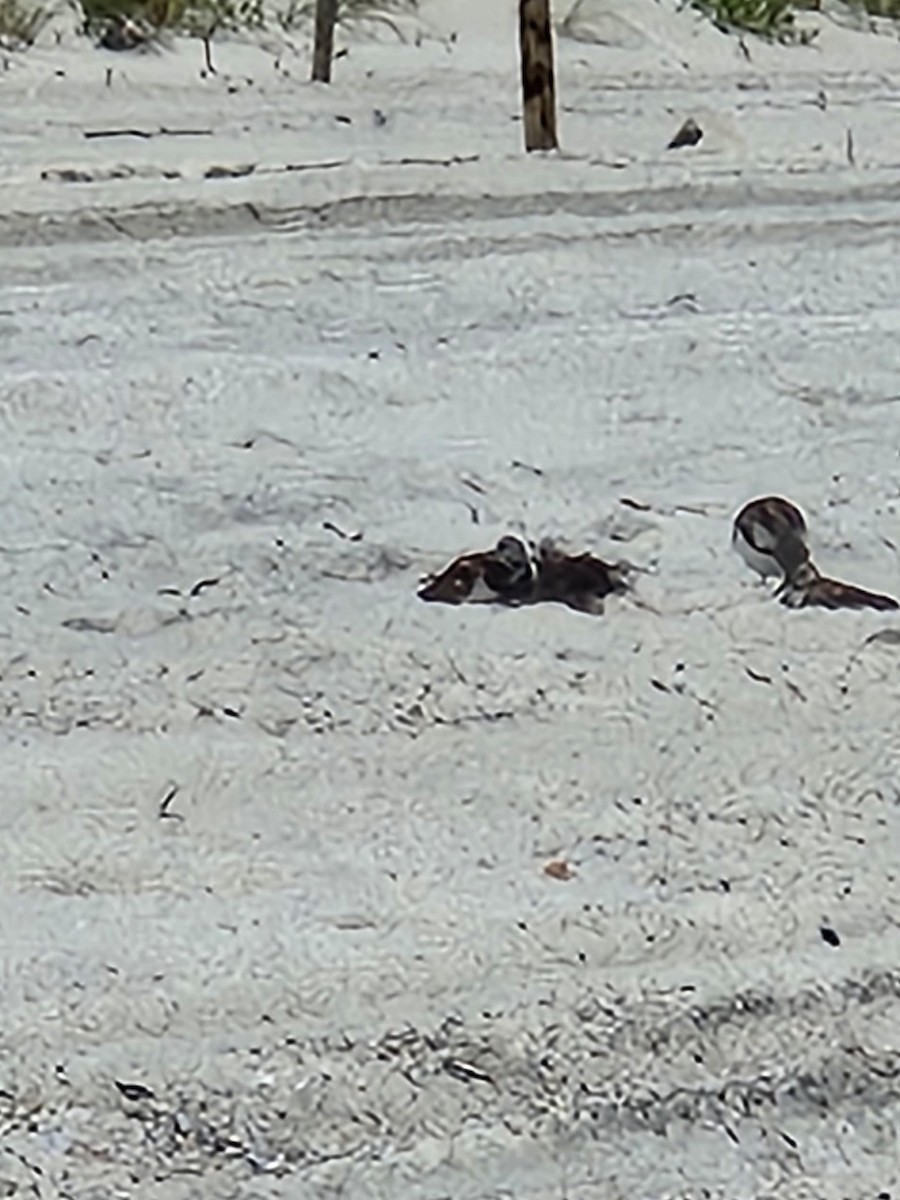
274 831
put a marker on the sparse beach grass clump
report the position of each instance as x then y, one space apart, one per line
21 22
350 11
875 8
776 20
201 17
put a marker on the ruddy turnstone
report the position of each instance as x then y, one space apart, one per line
770 535
514 573
507 574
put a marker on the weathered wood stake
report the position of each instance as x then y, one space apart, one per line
538 87
323 46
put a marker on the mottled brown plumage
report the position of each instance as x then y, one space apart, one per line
805 587
580 581
513 573
506 574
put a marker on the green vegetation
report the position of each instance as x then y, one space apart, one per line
773 19
350 11
22 20
202 17
197 17
776 19
20 23
876 8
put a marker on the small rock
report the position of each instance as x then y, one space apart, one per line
558 868
689 134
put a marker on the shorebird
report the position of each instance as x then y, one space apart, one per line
514 573
507 574
770 535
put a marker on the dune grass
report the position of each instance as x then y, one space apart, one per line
776 19
773 19
877 8
301 12
20 23
201 16
359 10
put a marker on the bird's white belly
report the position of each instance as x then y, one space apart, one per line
756 560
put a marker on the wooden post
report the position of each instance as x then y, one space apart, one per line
323 47
538 89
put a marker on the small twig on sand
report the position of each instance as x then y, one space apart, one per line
518 465
347 537
453 161
207 52
167 799
90 134
238 172
310 166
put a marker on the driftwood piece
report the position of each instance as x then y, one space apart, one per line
538 84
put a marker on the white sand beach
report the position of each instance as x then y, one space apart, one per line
275 918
